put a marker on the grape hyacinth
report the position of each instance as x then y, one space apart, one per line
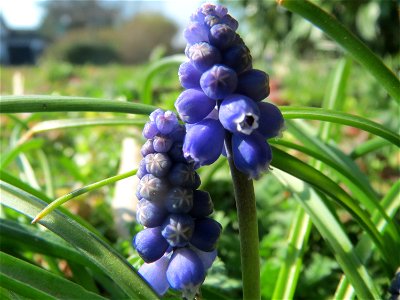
223 96
178 243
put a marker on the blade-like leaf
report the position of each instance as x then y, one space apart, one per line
106 258
321 114
355 47
39 103
154 69
42 280
297 168
332 231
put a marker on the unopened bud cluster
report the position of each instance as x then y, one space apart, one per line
224 93
179 240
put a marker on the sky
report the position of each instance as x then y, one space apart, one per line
27 14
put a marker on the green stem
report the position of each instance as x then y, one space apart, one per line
248 228
357 49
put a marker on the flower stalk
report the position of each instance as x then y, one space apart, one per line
248 228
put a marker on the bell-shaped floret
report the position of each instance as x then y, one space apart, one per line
203 142
150 244
218 82
185 272
178 229
194 105
239 114
271 121
251 154
207 258
155 274
253 84
206 233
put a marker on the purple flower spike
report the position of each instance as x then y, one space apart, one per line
205 235
196 32
150 214
239 114
203 56
193 105
150 244
150 130
271 120
251 154
218 82
185 272
189 76
253 84
203 142
222 36
166 122
155 274
178 229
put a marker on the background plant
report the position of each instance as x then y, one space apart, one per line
336 180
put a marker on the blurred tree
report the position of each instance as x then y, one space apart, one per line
63 15
143 33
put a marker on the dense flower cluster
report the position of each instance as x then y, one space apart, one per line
224 93
179 239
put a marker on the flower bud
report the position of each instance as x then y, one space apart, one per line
222 36
153 188
193 105
202 204
150 214
150 130
196 32
271 121
218 82
166 122
203 56
162 143
158 164
189 76
178 229
182 174
253 84
203 142
238 58
147 148
206 233
150 244
179 200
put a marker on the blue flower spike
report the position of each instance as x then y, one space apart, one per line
170 206
220 68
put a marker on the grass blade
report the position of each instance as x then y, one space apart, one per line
353 45
42 280
43 103
368 147
321 114
59 201
106 258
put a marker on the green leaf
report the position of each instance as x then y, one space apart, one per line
160 65
368 147
76 123
101 254
332 231
299 169
312 113
8 157
44 103
355 47
59 201
47 283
